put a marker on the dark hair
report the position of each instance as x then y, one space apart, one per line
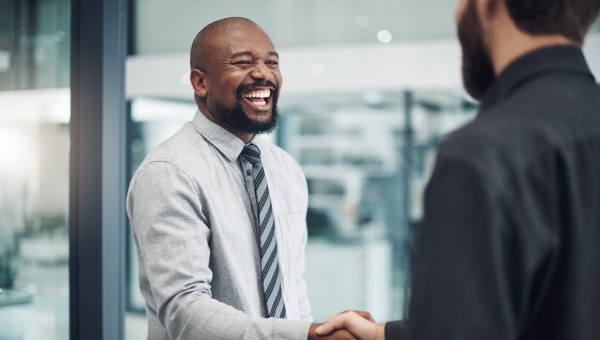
571 18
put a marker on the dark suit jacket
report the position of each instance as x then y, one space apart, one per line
510 244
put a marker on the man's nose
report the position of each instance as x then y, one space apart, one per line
261 71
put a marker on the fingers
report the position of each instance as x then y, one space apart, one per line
357 325
364 315
340 334
331 324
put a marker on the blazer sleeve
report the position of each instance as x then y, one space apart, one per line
172 236
395 330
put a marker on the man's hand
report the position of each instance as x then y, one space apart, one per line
359 325
341 334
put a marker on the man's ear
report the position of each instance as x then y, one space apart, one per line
199 82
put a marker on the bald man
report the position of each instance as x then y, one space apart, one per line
218 215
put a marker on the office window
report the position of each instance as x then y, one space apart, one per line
34 169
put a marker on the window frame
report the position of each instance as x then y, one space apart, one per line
97 169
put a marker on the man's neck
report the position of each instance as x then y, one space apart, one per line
245 137
512 44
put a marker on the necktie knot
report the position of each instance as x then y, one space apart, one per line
252 153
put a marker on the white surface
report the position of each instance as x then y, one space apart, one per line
147 109
35 106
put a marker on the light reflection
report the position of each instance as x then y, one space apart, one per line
384 36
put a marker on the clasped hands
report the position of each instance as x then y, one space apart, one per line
349 325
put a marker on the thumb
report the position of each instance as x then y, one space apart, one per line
349 320
327 327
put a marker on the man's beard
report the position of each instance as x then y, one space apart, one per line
237 118
477 69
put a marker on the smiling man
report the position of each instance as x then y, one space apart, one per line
218 215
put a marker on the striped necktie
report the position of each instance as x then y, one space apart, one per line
266 235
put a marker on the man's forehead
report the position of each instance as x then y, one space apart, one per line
245 38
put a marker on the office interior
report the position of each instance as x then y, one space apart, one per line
371 88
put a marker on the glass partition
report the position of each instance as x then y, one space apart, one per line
34 169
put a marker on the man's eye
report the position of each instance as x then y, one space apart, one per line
272 62
244 62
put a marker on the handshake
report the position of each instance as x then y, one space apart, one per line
349 325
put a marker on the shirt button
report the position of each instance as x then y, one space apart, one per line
249 173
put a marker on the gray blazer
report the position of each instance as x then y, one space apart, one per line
193 226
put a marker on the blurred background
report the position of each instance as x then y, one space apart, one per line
370 89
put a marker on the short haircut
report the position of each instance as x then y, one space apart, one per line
570 18
201 46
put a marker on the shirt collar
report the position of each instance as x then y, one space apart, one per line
556 58
226 142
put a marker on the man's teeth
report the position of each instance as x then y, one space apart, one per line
258 94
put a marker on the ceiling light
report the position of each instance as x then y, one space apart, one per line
384 36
